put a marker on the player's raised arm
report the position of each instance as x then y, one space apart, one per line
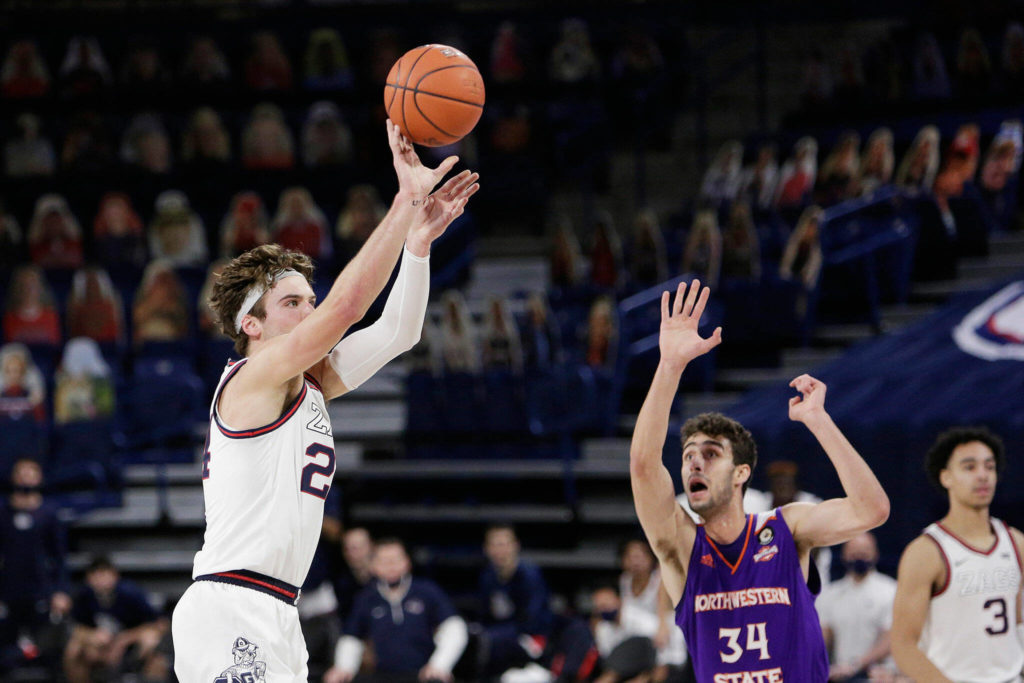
669 530
359 283
866 504
921 570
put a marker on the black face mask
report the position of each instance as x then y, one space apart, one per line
859 566
395 584
610 614
27 489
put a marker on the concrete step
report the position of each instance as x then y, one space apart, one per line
369 513
356 419
995 267
897 317
503 277
750 378
608 512
799 361
143 507
716 402
940 290
1006 243
842 334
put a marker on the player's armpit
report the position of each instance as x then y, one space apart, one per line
330 382
921 573
829 522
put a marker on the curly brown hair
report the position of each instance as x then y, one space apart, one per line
258 265
744 450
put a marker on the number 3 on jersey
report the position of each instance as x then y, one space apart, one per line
756 640
318 467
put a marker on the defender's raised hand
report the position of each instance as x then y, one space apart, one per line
679 341
414 178
811 401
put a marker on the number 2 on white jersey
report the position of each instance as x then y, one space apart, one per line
756 640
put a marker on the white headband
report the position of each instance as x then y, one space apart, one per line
256 292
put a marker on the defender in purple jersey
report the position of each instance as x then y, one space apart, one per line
740 582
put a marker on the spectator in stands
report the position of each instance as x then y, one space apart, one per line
116 629
856 613
22 391
245 226
565 256
205 141
29 154
638 58
362 212
176 234
573 59
973 66
415 631
514 603
802 260
500 345
624 638
327 64
647 260
835 181
85 70
741 251
118 239
640 582
34 583
84 386
542 340
703 254
24 73
95 307
601 347
1012 77
318 608
326 140
143 72
876 164
798 175
759 178
206 318
300 225
509 58
357 551
54 237
920 164
30 315
999 173
12 242
930 79
266 142
205 65
722 180
816 87
605 252
87 146
459 345
145 144
958 168
159 312
268 68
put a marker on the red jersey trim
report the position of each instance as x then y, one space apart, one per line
995 543
1016 550
312 380
945 561
260 431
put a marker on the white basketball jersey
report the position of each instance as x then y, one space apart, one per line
970 633
265 488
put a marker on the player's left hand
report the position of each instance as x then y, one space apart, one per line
432 673
440 209
414 178
811 401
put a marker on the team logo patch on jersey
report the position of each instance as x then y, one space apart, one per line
766 553
994 330
247 668
766 535
707 560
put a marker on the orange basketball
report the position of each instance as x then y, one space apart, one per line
434 94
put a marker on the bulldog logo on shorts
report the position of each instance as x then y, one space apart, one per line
246 668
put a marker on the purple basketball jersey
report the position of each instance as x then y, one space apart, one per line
752 622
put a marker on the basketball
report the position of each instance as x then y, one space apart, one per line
434 94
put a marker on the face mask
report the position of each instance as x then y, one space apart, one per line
394 584
859 566
26 489
610 614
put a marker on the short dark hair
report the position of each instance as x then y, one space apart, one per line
942 450
390 540
502 526
98 563
624 546
744 450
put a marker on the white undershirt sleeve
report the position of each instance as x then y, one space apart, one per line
348 654
358 356
449 643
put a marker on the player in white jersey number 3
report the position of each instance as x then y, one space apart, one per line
269 458
957 611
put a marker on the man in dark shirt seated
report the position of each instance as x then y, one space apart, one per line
415 631
115 628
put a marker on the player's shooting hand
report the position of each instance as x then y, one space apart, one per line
432 673
441 208
679 340
810 404
414 178
336 675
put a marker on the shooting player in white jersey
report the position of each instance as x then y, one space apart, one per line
269 459
957 611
